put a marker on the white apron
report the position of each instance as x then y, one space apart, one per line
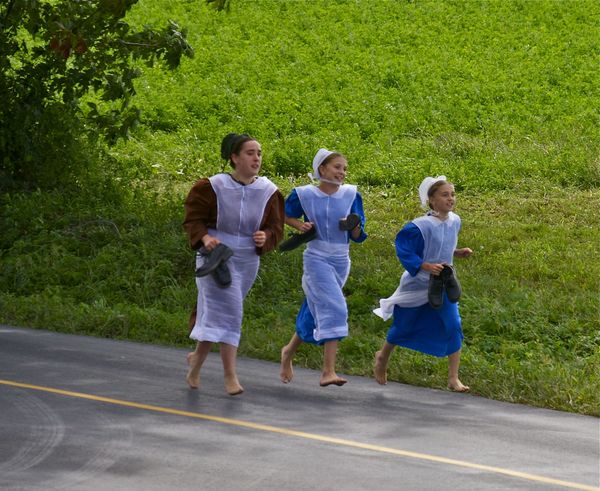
440 238
240 210
326 262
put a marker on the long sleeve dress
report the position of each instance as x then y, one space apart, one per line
323 315
416 325
232 212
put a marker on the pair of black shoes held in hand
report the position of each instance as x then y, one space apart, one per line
445 281
296 240
215 263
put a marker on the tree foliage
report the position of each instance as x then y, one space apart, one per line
67 71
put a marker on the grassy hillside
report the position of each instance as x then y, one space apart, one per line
502 97
488 92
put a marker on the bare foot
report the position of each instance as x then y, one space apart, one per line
456 385
193 375
232 385
287 371
332 380
380 370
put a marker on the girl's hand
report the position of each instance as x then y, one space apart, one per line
260 238
433 268
464 252
298 224
355 233
210 242
305 226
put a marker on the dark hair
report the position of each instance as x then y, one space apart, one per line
434 187
232 144
330 157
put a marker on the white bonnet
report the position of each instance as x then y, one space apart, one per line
321 155
424 188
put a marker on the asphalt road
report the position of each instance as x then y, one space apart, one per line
95 414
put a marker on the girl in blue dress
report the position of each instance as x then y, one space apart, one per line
328 207
424 246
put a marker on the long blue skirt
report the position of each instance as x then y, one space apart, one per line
305 326
424 329
323 315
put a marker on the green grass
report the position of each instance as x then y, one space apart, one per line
499 96
490 93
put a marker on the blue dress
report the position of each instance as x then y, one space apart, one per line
326 262
422 328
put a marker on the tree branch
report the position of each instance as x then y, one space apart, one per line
145 45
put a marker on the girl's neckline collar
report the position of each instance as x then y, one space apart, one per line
243 183
329 194
433 214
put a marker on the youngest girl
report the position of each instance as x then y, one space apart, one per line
425 248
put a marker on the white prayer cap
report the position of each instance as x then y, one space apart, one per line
321 155
424 188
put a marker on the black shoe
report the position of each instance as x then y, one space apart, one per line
297 240
222 275
350 222
451 283
212 259
435 291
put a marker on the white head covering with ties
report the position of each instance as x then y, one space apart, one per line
424 188
321 155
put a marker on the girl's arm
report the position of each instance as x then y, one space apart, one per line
293 213
298 224
409 249
271 227
358 234
200 214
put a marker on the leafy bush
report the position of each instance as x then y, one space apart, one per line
66 75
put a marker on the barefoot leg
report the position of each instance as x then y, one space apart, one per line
457 386
286 373
328 376
331 379
454 383
195 359
380 369
228 357
232 385
193 374
287 356
381 361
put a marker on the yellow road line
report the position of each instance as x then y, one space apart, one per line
309 436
